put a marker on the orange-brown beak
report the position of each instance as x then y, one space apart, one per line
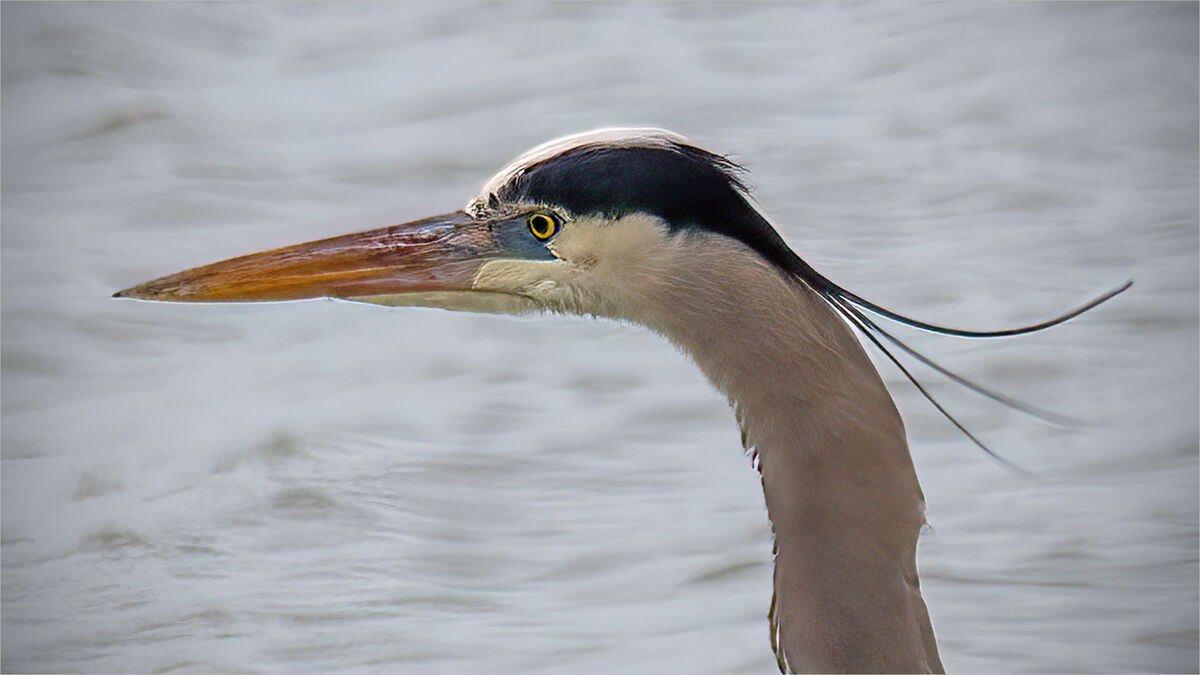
437 254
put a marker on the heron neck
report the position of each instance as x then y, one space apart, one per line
838 480
803 388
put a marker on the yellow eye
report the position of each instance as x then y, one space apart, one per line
542 226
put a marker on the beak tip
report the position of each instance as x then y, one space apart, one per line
146 291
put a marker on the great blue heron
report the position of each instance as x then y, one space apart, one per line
643 226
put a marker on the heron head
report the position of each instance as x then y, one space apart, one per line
598 223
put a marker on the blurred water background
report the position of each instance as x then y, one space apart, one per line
332 487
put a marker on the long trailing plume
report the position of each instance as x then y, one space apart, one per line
852 307
845 295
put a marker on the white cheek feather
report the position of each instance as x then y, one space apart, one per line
605 268
620 265
632 269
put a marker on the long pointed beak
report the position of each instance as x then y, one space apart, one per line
437 254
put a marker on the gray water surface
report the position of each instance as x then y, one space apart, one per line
331 487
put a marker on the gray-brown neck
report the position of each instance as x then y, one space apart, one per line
840 488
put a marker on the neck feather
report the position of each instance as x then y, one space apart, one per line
840 488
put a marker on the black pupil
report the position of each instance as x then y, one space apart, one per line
542 226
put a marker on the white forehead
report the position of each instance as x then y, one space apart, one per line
617 137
